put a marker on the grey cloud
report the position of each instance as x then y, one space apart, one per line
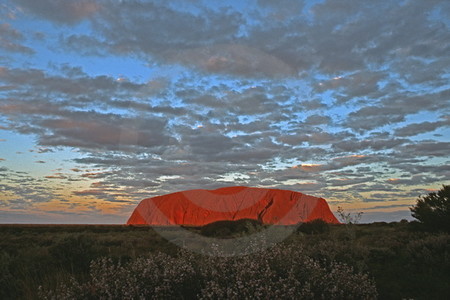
375 187
105 131
156 27
91 130
350 160
251 101
251 81
419 71
394 109
65 12
227 40
426 148
141 107
312 104
413 180
234 59
308 187
85 44
317 120
89 193
79 85
10 40
442 170
208 143
417 128
377 144
58 124
359 84
346 181
317 136
293 173
371 117
22 191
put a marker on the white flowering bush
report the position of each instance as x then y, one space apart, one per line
280 272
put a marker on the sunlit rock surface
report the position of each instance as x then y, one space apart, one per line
201 207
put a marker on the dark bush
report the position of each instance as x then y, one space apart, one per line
74 252
224 229
6 278
316 226
433 210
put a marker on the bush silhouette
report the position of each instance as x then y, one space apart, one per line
226 228
433 210
314 227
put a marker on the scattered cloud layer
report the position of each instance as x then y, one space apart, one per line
348 100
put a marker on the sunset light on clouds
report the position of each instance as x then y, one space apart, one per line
105 103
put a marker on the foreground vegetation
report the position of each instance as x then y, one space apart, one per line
388 261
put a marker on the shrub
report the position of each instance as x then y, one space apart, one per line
74 252
281 272
316 226
6 278
429 253
433 210
223 229
348 218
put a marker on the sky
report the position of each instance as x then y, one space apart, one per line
105 103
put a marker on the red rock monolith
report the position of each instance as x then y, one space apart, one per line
200 207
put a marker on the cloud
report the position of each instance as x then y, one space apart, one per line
281 42
56 176
353 86
394 108
62 11
231 94
316 137
317 120
414 180
10 39
426 149
89 193
98 131
373 143
418 128
233 59
95 175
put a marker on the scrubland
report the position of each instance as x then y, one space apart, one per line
316 261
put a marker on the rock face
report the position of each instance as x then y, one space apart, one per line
201 207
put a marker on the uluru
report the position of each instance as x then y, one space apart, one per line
200 207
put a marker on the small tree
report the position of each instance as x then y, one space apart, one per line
433 210
347 218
